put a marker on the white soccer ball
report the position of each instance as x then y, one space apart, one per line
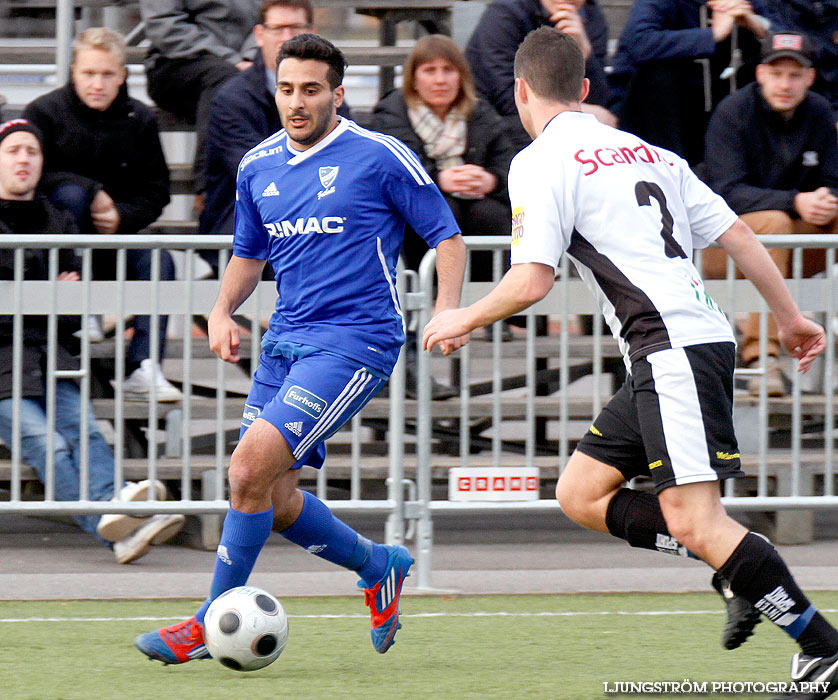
245 628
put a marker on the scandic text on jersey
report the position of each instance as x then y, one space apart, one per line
300 227
622 155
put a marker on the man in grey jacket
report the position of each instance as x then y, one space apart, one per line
195 46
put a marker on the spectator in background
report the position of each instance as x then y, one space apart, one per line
660 88
771 153
819 20
462 143
196 45
104 163
22 211
458 137
501 29
244 112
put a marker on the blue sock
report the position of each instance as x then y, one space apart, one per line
320 533
242 538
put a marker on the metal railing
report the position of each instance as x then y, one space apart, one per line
570 298
518 423
184 298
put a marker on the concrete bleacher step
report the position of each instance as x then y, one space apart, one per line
44 54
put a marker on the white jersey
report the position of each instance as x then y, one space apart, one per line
629 216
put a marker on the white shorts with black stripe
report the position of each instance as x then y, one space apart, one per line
672 419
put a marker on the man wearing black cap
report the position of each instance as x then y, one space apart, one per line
23 212
771 153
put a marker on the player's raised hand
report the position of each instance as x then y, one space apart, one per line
449 346
224 336
448 330
804 339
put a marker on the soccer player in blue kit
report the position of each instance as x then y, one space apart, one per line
325 202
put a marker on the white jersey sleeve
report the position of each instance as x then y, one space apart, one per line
708 214
542 223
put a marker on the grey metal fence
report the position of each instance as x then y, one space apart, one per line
521 404
174 443
797 474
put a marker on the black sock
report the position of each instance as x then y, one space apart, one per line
636 517
756 572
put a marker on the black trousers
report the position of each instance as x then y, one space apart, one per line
186 87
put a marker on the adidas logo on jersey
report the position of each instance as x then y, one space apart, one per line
270 190
296 427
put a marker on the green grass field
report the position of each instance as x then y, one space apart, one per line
510 647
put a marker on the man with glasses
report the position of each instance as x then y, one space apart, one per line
244 112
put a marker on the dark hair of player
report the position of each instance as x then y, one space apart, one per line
313 47
552 64
304 5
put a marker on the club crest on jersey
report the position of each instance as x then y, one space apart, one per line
517 225
328 174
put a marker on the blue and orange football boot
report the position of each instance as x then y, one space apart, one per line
175 644
383 598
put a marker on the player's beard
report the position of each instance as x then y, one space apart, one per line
321 121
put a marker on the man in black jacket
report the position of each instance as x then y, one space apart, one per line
23 212
244 112
501 29
771 153
676 60
104 163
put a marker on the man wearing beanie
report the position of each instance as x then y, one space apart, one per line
103 162
23 212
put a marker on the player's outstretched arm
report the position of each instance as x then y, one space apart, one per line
521 287
240 279
450 269
803 338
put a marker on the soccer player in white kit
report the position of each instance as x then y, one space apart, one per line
629 216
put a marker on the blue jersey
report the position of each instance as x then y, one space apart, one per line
331 220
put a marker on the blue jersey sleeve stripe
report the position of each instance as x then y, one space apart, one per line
393 143
409 154
414 168
393 293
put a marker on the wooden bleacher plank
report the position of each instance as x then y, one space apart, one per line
44 54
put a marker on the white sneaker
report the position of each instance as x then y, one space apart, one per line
138 386
116 526
93 330
157 530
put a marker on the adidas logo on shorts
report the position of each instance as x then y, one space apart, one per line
296 427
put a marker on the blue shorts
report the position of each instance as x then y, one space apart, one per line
308 400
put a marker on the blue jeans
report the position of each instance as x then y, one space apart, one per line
67 441
74 199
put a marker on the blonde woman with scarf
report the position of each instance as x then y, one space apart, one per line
458 137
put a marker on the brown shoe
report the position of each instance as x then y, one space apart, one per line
774 380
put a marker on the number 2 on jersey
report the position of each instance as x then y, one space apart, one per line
645 192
